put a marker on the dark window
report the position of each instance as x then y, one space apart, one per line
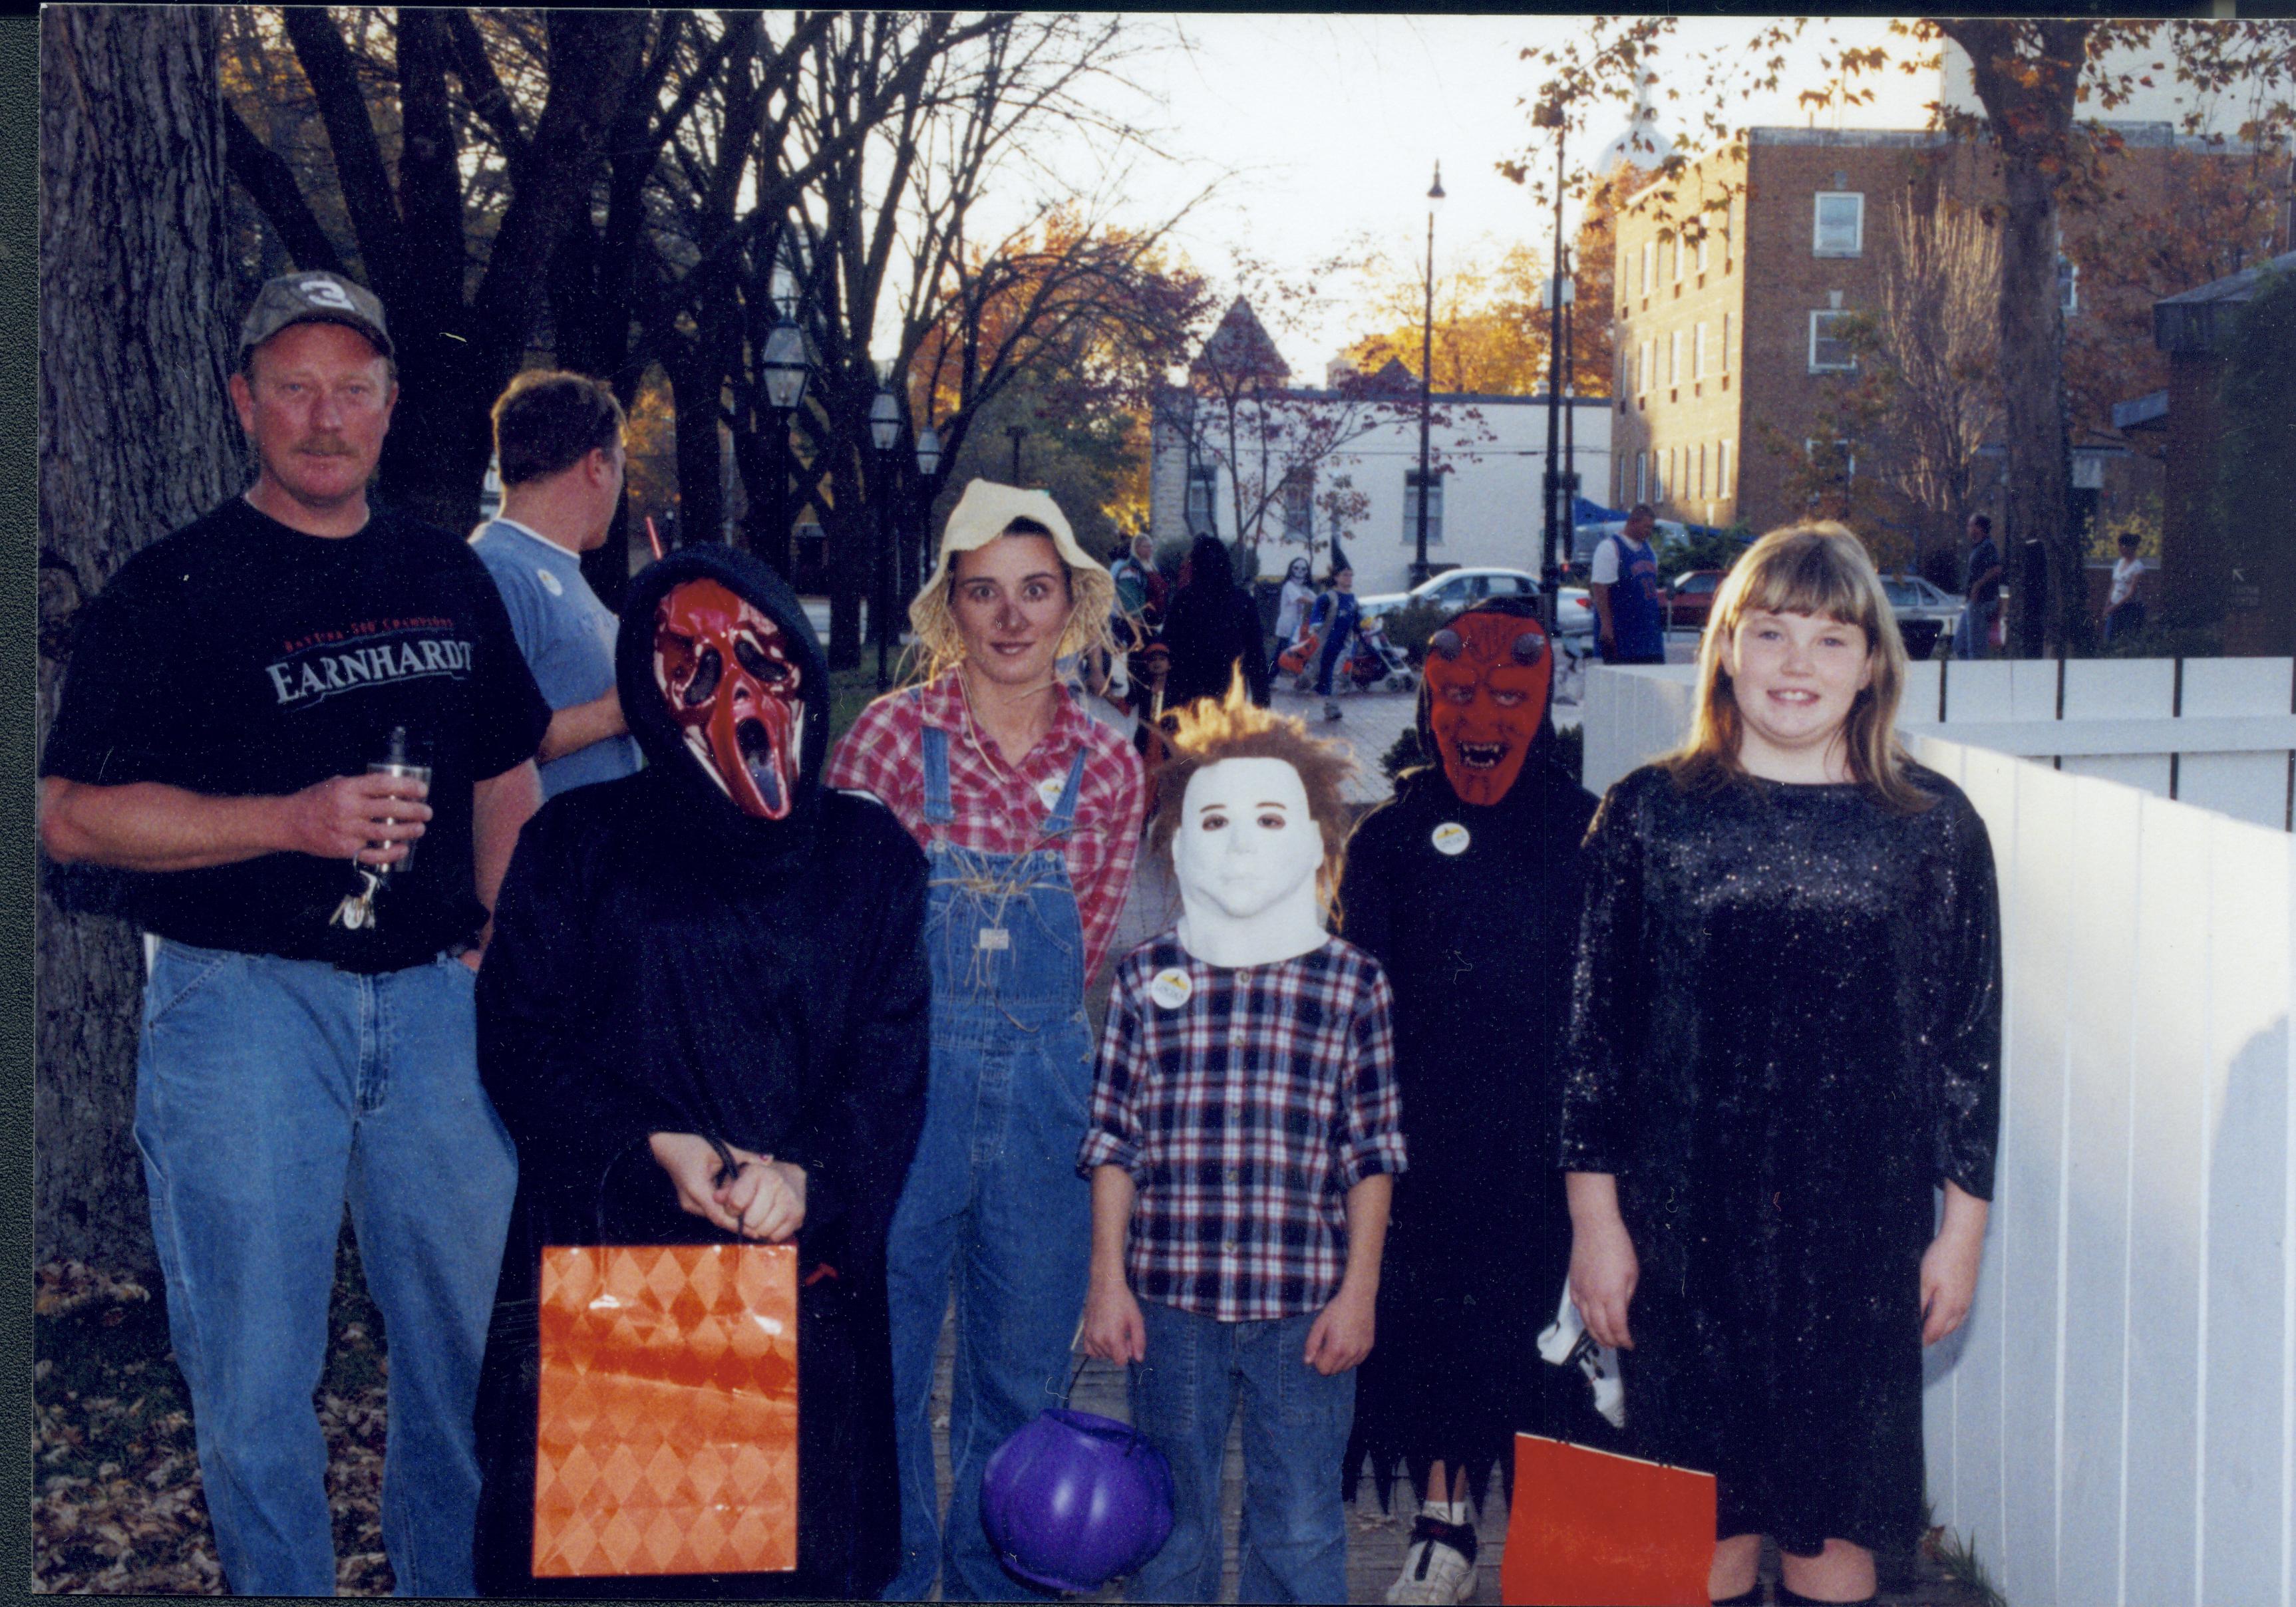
1411 495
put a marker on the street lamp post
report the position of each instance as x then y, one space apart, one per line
885 435
1014 433
1549 115
928 465
1426 374
786 372
1568 519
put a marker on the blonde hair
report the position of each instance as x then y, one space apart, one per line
1818 568
939 645
1206 732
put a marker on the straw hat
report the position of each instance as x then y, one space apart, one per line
984 512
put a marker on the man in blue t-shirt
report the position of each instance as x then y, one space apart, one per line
558 439
1629 618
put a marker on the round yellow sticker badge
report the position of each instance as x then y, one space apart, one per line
1170 987
1450 838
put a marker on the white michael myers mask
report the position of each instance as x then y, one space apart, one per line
1246 856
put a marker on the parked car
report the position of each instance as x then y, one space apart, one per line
1689 597
1457 589
1924 612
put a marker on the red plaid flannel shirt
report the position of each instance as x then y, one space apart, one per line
999 806
1244 1113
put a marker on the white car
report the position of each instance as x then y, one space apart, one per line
1457 589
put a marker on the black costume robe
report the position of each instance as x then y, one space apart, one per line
1478 947
1785 1034
1212 631
662 962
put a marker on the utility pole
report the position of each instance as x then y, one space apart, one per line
1549 115
1426 375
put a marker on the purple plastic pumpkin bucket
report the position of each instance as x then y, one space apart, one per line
1074 1500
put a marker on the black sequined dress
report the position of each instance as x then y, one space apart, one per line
1785 1034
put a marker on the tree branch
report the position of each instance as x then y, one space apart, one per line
485 90
270 182
376 224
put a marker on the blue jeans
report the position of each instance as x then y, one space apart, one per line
1292 1546
269 1092
993 1202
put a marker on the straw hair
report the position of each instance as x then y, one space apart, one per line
939 647
1206 732
1821 569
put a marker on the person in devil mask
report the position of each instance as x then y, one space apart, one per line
717 950
1465 887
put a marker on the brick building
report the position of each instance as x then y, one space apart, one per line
1732 293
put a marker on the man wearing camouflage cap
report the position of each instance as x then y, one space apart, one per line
307 1032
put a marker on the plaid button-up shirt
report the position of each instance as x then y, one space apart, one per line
1244 1104
1001 807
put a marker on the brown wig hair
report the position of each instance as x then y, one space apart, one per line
1206 732
939 646
1821 569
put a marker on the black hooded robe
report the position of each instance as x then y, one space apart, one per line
1213 633
662 962
1478 947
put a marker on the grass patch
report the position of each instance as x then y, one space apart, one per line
851 691
1957 1559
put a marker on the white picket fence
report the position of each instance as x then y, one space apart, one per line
2217 732
2117 1423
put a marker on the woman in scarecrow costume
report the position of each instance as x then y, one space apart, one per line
1465 887
1029 814
716 951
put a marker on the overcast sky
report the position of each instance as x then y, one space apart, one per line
1332 125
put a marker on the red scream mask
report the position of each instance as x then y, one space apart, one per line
1487 681
735 688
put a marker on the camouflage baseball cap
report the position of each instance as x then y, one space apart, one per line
313 297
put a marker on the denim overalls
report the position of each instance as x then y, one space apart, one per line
993 1196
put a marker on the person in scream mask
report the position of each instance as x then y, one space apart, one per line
1464 887
716 950
1030 812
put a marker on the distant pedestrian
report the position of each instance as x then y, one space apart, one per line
2124 607
1291 604
1213 631
1629 619
1972 636
1141 592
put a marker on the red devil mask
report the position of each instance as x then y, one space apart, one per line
735 690
1487 680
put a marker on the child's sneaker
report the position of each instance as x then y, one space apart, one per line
1439 1563
1331 709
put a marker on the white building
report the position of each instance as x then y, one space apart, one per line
1344 459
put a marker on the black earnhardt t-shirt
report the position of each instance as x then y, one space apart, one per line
237 656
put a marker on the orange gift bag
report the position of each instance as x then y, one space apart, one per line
1603 1530
666 1438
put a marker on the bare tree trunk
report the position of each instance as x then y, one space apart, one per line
135 438
2026 75
694 381
2033 398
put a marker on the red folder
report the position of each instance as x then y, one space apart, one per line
1594 1530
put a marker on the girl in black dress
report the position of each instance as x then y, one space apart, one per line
1784 1042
